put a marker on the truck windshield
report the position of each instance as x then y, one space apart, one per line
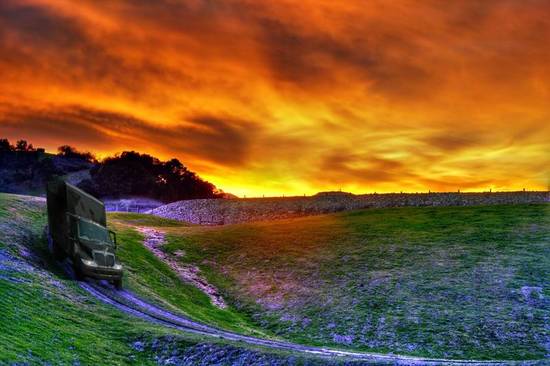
90 231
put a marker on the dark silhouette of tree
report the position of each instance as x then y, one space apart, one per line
5 145
44 170
127 174
89 186
135 174
23 146
71 152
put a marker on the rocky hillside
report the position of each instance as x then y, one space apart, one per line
220 212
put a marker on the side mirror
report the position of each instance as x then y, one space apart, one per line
113 237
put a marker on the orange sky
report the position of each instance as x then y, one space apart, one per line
293 97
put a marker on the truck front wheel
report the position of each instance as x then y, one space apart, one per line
118 284
77 271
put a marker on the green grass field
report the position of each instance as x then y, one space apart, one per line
45 316
440 282
464 282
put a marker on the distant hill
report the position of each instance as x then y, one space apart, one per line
26 170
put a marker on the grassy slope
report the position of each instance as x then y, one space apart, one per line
442 282
47 318
151 278
438 282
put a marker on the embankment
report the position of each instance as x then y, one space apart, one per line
232 211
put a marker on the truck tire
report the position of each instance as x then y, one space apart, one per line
118 284
53 248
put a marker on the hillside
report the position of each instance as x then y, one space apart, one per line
453 282
47 318
27 172
127 175
461 282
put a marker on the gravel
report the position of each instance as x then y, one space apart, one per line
232 211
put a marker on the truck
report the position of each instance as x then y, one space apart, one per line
77 230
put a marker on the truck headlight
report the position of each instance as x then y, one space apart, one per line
89 263
117 266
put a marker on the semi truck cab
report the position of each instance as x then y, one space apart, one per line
78 230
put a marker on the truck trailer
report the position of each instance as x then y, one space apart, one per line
77 229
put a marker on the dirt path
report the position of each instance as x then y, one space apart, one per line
127 302
154 239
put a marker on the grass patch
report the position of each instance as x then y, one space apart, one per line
45 316
136 219
40 323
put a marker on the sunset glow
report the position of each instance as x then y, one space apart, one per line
290 97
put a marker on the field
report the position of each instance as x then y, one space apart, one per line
464 282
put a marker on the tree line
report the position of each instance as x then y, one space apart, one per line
133 174
126 174
20 145
63 151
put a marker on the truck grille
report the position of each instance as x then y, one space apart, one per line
104 259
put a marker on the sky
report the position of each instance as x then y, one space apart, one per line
290 97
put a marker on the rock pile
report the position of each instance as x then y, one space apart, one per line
231 211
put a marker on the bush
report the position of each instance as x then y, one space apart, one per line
71 152
5 145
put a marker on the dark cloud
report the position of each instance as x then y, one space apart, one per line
341 166
299 58
307 60
449 142
38 40
222 141
394 56
51 128
46 37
